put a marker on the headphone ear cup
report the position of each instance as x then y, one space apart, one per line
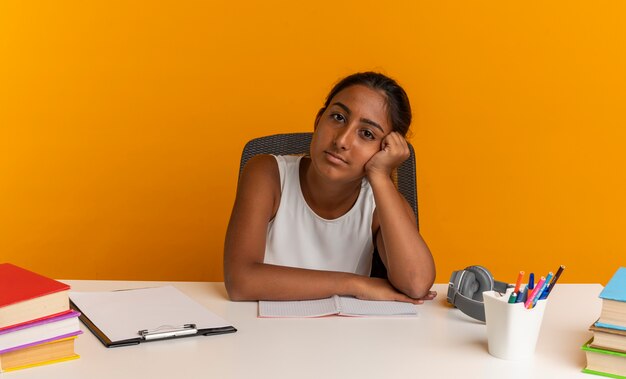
468 286
454 285
484 280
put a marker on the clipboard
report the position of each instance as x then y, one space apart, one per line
130 317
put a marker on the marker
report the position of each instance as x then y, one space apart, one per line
515 292
519 281
532 296
531 281
553 282
542 289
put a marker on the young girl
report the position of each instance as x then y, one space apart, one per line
305 227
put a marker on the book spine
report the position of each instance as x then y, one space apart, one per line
48 362
337 301
41 341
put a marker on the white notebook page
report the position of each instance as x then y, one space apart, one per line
347 306
300 308
355 307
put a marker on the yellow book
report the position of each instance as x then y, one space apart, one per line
42 354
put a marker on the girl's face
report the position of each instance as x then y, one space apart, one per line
349 132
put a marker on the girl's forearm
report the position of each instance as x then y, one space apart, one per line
260 281
410 266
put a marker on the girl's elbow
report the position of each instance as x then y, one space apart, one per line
236 289
420 285
419 291
233 293
240 283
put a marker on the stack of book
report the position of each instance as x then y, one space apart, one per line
606 351
37 326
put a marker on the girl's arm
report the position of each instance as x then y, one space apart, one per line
410 265
248 278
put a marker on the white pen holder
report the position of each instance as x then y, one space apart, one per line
512 330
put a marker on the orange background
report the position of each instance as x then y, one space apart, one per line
122 123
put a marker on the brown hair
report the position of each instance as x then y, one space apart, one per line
398 104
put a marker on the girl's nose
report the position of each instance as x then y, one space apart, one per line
344 138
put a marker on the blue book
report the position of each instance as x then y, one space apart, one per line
609 326
616 287
613 297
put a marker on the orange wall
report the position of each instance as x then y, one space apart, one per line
121 125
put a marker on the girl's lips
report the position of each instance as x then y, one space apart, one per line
335 158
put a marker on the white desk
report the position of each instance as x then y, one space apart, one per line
441 343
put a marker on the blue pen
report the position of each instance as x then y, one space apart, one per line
521 297
531 281
542 289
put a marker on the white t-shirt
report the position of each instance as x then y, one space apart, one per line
298 237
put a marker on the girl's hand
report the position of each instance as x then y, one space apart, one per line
381 289
431 295
393 151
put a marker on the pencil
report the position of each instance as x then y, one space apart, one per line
519 281
515 293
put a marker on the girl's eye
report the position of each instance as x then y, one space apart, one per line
338 117
368 134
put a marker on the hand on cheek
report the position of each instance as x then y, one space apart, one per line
393 151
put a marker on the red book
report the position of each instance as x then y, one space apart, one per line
25 296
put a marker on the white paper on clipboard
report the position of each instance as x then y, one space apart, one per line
120 315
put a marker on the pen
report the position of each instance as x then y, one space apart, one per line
553 282
531 281
542 289
512 298
521 297
531 297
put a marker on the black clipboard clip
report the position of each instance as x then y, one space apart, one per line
168 331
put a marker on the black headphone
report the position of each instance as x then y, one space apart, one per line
466 287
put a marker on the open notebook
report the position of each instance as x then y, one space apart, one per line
336 305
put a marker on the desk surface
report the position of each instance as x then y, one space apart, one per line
442 342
